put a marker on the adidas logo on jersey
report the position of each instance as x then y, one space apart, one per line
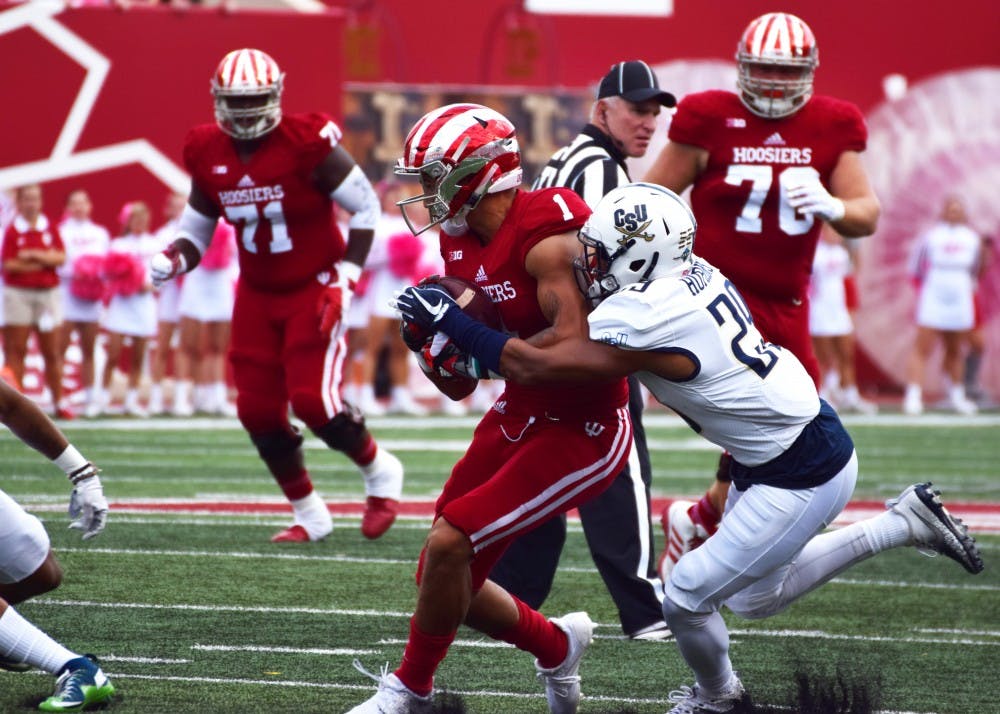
481 276
774 140
245 182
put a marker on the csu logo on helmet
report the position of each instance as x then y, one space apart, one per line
632 224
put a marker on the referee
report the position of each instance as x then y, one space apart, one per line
617 523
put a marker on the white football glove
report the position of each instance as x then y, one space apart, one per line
811 198
166 266
88 506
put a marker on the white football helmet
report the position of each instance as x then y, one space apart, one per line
777 58
247 91
637 232
460 153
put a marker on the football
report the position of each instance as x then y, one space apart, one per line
472 300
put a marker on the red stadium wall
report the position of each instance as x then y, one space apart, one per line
148 72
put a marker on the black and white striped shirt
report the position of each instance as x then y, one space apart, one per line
591 166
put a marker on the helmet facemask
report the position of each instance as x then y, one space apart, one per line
247 113
786 85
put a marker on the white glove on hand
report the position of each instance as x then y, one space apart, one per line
166 266
88 506
811 198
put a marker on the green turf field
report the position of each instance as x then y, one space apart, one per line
200 613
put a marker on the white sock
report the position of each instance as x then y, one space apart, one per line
132 397
313 515
182 392
367 393
220 394
21 641
914 392
155 393
956 393
851 395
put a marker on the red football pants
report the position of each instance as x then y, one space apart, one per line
280 357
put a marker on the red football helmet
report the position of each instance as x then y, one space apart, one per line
777 58
247 91
460 153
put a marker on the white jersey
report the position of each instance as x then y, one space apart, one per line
828 313
750 397
946 258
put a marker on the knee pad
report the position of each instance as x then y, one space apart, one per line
345 432
275 445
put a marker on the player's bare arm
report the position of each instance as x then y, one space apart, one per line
550 262
339 176
850 184
677 166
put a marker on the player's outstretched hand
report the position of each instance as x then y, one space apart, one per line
811 198
424 306
166 266
88 507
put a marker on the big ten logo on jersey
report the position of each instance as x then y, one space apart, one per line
632 224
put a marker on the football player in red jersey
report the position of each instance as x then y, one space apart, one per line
767 166
541 450
275 178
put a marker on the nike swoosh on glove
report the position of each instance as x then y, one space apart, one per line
811 198
88 507
424 307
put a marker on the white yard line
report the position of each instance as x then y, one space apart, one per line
409 561
337 652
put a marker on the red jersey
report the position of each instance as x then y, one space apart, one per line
745 225
284 223
21 236
498 268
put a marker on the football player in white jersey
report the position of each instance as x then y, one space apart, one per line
683 328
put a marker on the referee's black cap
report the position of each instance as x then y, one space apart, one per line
634 81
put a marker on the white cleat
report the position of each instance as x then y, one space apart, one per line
682 535
392 696
933 528
690 700
562 683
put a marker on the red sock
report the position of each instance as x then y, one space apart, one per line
294 482
705 515
365 453
421 658
535 634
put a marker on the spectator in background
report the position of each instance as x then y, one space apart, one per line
946 262
392 263
976 340
831 325
131 310
82 283
32 251
167 317
206 309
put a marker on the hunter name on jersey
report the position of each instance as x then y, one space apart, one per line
257 194
772 155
